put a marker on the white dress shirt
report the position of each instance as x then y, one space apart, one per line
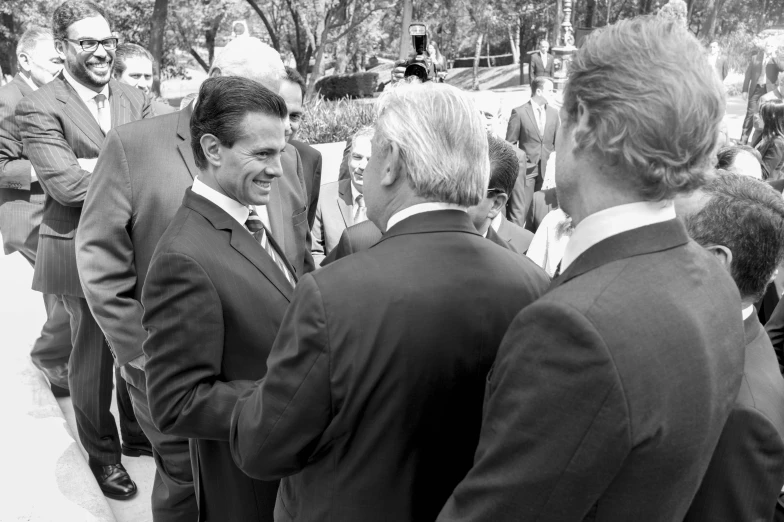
540 115
413 210
495 224
233 208
748 311
544 58
88 97
612 221
548 244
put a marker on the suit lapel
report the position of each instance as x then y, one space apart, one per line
275 206
241 240
528 109
503 230
184 133
75 109
121 111
21 84
344 202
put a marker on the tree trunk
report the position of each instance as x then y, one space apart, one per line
270 29
761 17
514 45
477 53
8 49
712 8
157 30
557 24
319 59
204 65
405 40
609 5
590 6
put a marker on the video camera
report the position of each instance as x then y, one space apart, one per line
420 64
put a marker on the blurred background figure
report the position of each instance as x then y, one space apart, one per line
717 61
761 77
740 159
133 66
771 141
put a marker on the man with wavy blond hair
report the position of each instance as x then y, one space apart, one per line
372 401
609 394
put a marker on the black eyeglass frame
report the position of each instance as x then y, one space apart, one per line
90 45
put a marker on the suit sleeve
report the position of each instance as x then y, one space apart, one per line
775 330
314 193
52 157
746 471
555 425
513 128
104 253
184 348
747 79
14 167
516 206
276 426
317 234
772 158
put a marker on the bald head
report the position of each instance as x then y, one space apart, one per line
252 59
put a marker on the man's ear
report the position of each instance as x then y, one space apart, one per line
211 147
59 46
215 72
394 170
24 62
499 204
722 254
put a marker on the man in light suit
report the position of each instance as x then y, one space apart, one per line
533 128
130 203
292 90
741 222
208 342
373 394
571 428
62 126
541 63
342 203
22 198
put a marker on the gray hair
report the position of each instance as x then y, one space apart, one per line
442 141
363 132
31 37
251 58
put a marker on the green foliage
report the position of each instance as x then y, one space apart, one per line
332 121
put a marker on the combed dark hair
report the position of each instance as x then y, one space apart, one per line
538 83
222 104
653 103
294 76
129 50
747 216
30 39
72 11
503 165
726 155
772 116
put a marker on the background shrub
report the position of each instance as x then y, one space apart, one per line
331 121
356 85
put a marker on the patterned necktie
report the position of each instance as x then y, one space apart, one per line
256 227
361 214
542 120
104 118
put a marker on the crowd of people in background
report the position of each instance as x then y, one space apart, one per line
575 317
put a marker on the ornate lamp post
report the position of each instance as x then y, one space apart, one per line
563 53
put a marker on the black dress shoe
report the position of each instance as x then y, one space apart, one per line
137 450
114 481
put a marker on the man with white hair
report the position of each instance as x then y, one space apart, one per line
138 185
373 395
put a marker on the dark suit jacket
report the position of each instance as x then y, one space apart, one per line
130 203
721 67
754 70
775 330
520 198
57 129
544 202
517 237
523 130
746 472
21 202
537 68
311 170
373 399
213 303
772 152
335 213
610 392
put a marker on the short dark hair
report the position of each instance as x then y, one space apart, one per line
30 38
538 83
772 115
747 216
222 104
72 11
726 155
503 165
129 50
294 76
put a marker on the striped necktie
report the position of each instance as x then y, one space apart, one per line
256 227
361 214
104 118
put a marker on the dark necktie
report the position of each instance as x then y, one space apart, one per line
256 227
104 119
557 270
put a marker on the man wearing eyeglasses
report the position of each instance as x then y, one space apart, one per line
62 126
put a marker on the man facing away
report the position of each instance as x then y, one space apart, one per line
342 202
533 127
63 125
741 222
373 395
217 289
610 392
137 188
22 197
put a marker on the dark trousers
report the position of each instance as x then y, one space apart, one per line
173 497
755 93
90 376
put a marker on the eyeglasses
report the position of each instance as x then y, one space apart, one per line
110 44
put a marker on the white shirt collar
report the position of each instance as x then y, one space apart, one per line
421 208
86 94
612 221
29 82
495 224
748 311
233 208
